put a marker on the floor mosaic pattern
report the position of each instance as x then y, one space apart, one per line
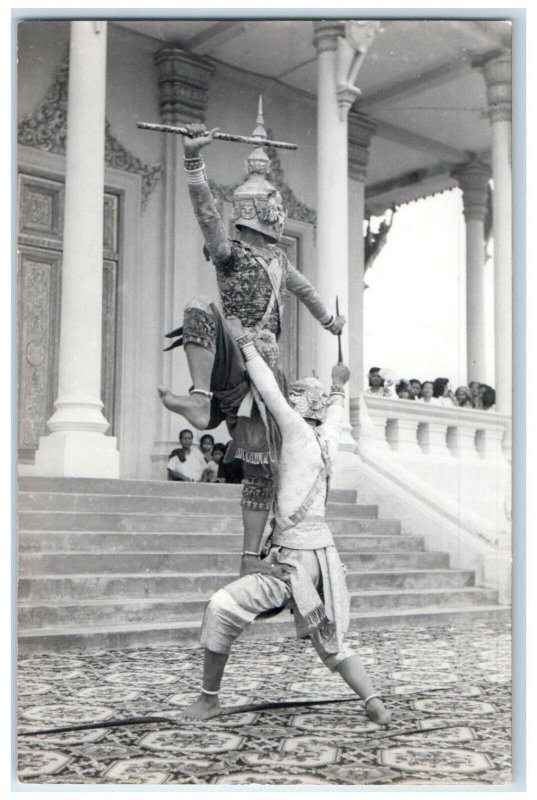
456 679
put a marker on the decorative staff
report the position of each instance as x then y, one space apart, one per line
224 137
258 140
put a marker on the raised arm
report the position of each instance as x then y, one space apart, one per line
300 286
263 379
335 414
201 196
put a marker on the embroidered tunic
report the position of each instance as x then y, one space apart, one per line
247 276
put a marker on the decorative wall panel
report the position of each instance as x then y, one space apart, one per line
40 224
39 307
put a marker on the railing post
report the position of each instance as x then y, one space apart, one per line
432 438
402 435
489 441
461 440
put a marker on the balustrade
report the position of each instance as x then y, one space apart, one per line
423 430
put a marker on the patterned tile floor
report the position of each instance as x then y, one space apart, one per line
315 745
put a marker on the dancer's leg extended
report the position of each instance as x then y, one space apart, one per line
199 340
207 704
229 612
353 672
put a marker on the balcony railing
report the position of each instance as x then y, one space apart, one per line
413 428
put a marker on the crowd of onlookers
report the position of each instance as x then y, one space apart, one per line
207 463
384 383
204 463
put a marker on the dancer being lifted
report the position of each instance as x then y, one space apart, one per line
253 275
302 565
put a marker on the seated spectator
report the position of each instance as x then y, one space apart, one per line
442 393
206 446
463 396
402 390
488 398
186 463
218 471
415 389
426 392
375 380
213 473
474 387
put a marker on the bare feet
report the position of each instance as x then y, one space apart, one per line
205 707
196 408
377 712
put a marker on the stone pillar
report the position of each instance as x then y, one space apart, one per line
332 194
341 48
77 445
473 178
361 129
496 69
184 81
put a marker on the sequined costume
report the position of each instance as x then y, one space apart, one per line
252 283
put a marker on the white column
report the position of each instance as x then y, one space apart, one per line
340 50
473 178
361 129
497 72
77 445
332 196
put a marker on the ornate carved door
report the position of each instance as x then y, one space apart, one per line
40 227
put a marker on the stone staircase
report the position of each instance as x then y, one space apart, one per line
110 563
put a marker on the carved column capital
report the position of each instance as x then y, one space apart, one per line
326 33
473 178
360 131
497 70
184 81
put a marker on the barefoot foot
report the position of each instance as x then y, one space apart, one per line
196 408
377 712
203 708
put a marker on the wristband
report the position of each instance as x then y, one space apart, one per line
329 323
250 553
247 348
194 163
337 389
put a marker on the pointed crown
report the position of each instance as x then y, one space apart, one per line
257 204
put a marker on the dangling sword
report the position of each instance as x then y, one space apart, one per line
339 348
223 137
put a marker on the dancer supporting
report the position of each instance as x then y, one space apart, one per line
302 564
253 275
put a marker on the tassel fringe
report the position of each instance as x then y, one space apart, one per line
252 457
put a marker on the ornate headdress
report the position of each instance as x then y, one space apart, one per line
257 204
307 396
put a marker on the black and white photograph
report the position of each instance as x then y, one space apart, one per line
249 251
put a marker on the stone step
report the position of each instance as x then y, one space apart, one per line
148 488
74 588
190 606
185 523
32 564
147 542
123 636
132 504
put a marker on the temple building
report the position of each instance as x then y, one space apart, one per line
383 113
